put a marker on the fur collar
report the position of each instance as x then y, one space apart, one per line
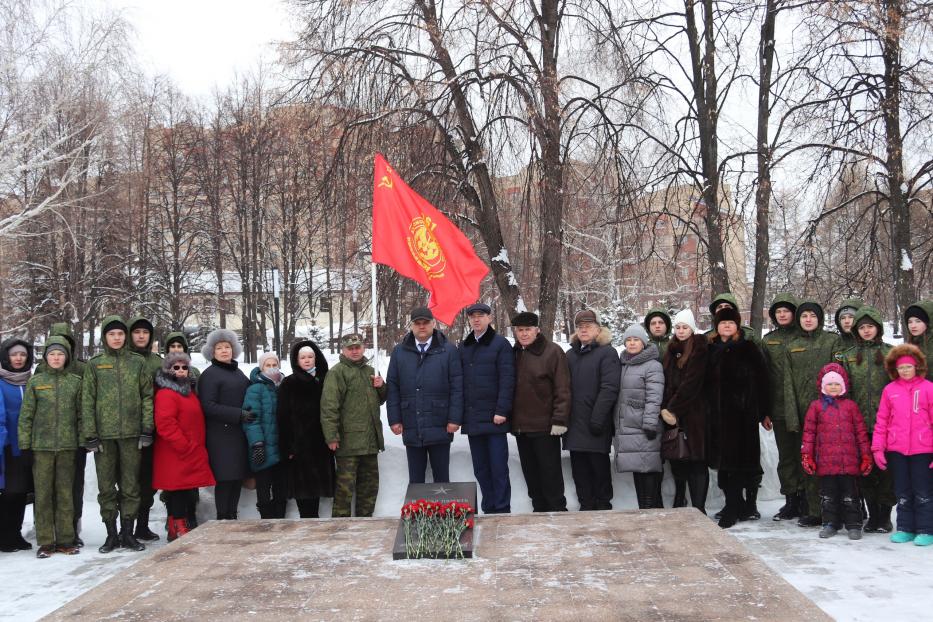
485 340
168 381
603 338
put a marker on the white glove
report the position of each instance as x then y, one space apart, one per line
558 430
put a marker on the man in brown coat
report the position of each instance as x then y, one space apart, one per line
540 412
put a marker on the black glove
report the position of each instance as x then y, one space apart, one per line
596 430
650 433
259 453
145 439
247 416
92 445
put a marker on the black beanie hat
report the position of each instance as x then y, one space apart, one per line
811 306
114 325
917 312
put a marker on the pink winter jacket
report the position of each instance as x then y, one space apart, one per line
905 418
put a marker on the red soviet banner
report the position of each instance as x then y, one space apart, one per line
412 236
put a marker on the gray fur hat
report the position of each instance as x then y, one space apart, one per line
637 331
173 358
215 337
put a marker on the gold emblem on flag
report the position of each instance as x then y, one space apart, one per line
386 181
424 247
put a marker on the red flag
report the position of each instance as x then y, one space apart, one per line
412 236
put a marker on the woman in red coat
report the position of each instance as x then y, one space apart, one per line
180 464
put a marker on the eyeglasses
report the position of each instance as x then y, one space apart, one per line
177 367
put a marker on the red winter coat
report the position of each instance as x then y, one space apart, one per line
179 458
834 432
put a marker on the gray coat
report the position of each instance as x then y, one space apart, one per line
639 409
594 387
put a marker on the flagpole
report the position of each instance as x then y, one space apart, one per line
375 306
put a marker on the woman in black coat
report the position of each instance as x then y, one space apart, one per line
684 406
309 462
737 383
221 389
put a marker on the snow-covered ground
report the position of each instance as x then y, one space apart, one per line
866 580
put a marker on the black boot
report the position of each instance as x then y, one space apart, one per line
113 538
127 539
729 514
790 509
879 519
872 525
142 527
78 541
698 481
266 510
680 493
749 509
280 506
805 519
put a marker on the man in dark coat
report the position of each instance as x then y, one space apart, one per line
540 412
425 403
594 376
488 387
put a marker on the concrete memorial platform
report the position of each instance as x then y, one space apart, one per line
656 565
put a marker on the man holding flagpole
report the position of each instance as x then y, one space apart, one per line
425 403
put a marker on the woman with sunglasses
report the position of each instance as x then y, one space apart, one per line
180 463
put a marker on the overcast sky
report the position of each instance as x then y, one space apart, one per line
201 44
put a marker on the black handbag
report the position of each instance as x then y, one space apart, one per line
674 444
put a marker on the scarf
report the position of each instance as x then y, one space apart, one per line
16 378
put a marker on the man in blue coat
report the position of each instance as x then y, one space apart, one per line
488 387
425 403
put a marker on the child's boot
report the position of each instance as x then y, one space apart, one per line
828 531
855 534
900 537
923 539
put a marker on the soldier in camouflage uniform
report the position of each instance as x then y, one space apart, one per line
116 422
729 299
658 324
864 362
177 342
352 428
48 425
809 351
76 367
783 405
141 334
845 321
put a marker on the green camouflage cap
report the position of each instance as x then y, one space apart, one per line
351 340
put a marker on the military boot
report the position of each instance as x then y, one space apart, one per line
142 527
127 540
790 509
749 511
113 538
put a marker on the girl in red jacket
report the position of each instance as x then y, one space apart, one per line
179 458
835 447
904 438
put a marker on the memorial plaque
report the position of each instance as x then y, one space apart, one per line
461 492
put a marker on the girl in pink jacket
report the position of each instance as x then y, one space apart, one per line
904 438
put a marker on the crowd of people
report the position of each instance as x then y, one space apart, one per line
852 418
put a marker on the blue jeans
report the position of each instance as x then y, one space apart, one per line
913 487
418 463
490 454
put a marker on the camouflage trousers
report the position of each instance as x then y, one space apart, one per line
53 473
359 474
117 465
789 470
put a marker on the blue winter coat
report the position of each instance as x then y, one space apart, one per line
262 399
488 382
425 392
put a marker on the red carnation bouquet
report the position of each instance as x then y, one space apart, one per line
433 529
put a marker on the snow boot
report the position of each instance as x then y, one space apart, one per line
805 519
729 515
790 509
883 523
923 539
113 538
142 527
749 509
170 527
828 531
180 526
855 534
902 537
127 539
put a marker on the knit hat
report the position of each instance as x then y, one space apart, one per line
55 347
829 378
115 323
584 316
657 312
175 358
685 317
637 331
917 312
727 314
811 305
847 311
525 318
265 356
141 322
216 336
18 347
